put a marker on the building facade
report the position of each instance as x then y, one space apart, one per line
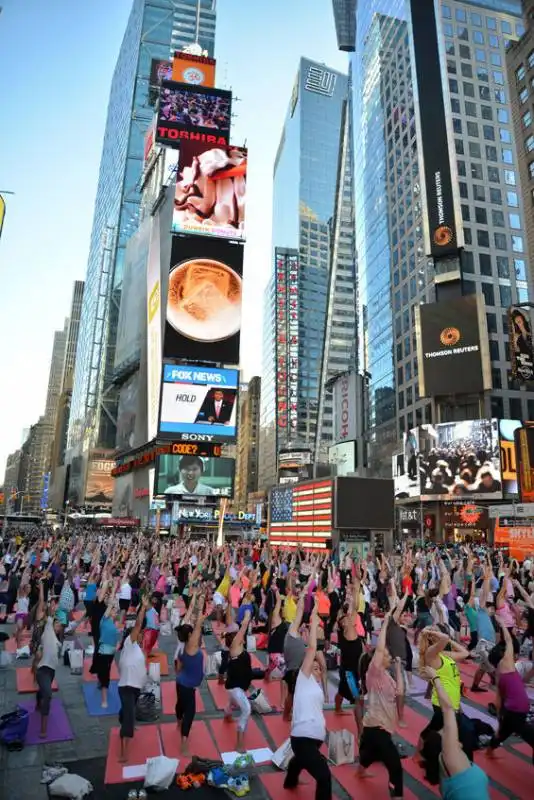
248 443
394 273
304 199
520 63
155 28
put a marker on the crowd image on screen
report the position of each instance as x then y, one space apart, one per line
462 467
194 109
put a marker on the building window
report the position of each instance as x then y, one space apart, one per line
459 146
489 133
461 169
497 408
446 12
461 16
476 19
485 263
483 238
480 55
463 190
515 221
484 93
493 175
496 60
512 199
491 23
451 67
523 95
449 48
448 29
507 155
478 37
497 218
453 85
491 153
463 33
468 261
493 41
500 96
477 173
465 213
531 169
496 378
520 73
479 193
529 143
494 350
517 244
498 77
520 270
470 109
503 267
468 236
509 177
465 52
526 119
469 91
483 74
506 296
506 27
503 116
530 59
457 125
500 241
491 320
495 196
487 291
472 129
455 105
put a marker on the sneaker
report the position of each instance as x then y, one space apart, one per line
218 777
239 786
243 761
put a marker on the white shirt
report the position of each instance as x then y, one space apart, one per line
218 404
200 488
50 646
132 665
308 717
125 592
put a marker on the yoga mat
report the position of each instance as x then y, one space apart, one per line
26 683
88 677
168 698
145 744
200 742
157 656
261 755
58 730
375 787
274 786
225 734
93 700
278 729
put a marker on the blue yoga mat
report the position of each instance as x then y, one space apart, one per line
93 700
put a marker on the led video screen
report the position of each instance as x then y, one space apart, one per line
198 401
187 111
186 476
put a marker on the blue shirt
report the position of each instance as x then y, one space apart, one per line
90 591
484 626
472 783
109 636
242 610
192 672
152 619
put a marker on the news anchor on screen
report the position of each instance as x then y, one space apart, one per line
187 480
215 409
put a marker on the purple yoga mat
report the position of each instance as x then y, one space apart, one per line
59 729
468 710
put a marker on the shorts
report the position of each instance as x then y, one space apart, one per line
482 651
21 619
349 687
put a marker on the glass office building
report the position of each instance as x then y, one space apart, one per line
155 29
394 273
304 193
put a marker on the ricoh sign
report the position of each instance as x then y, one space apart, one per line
345 405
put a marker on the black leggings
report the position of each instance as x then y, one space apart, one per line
376 744
307 755
513 722
185 707
103 665
465 733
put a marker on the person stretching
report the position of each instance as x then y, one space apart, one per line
238 680
189 675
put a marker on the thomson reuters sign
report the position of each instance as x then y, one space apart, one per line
345 403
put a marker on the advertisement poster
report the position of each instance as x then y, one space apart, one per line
524 454
199 401
342 457
450 460
132 306
287 343
185 109
345 408
127 413
203 321
182 476
507 428
160 70
451 347
521 349
197 70
153 327
211 190
99 485
443 232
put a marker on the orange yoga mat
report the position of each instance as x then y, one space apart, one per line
145 744
26 683
200 741
168 698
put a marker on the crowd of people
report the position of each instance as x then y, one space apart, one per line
375 621
195 109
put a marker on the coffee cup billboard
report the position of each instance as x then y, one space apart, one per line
203 319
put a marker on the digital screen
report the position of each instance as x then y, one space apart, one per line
364 503
450 461
188 68
507 428
187 476
199 401
203 320
187 109
211 190
160 70
521 348
99 488
450 348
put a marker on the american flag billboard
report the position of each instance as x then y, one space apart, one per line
301 515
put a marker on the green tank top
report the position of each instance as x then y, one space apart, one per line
449 676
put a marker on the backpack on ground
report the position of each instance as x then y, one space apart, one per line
13 728
147 708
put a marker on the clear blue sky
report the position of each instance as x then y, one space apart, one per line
56 62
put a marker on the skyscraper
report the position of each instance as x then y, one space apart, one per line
155 28
304 195
395 274
246 479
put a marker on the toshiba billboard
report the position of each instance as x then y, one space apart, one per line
345 408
